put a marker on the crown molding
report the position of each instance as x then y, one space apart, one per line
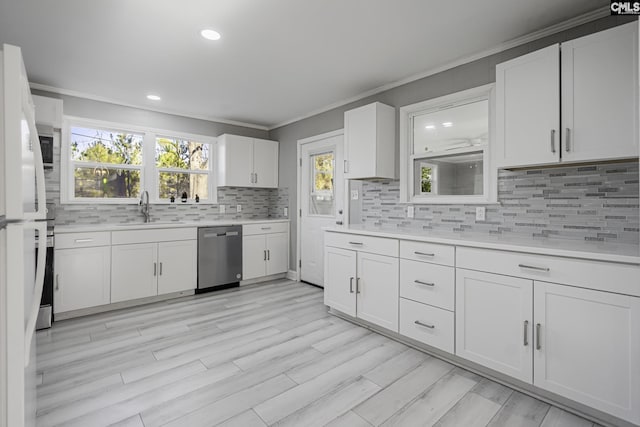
536 35
92 97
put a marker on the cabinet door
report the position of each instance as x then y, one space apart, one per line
254 256
494 322
378 290
82 278
340 279
134 270
177 266
528 109
235 161
589 347
360 141
277 253
265 163
599 95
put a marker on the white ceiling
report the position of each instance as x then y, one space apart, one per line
277 59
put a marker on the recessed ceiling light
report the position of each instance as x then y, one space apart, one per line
447 124
154 97
210 34
430 127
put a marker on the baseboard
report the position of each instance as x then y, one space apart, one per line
292 275
119 305
263 279
561 402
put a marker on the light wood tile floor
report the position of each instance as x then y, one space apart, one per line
254 356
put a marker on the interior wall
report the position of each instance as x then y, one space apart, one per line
466 76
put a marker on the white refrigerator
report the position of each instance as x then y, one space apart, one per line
22 214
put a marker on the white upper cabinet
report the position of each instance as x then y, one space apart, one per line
247 162
573 102
370 142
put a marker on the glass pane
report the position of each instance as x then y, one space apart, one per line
182 154
321 194
104 146
461 126
106 182
174 184
456 174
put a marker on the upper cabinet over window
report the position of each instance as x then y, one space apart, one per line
444 146
370 142
247 162
572 102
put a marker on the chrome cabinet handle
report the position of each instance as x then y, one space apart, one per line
161 269
526 333
356 243
426 325
553 141
533 267
350 285
357 285
265 255
256 174
265 228
57 282
566 139
420 282
83 240
268 254
155 268
423 253
538 345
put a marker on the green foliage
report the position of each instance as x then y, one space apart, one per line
425 180
323 174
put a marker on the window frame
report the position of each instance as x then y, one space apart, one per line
407 157
149 172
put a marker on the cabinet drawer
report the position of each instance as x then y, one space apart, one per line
153 235
430 252
577 272
82 240
428 283
265 228
436 326
374 245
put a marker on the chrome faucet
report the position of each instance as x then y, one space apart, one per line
144 202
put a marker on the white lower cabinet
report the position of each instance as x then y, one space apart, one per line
148 269
82 278
427 324
362 285
494 317
134 270
265 250
588 347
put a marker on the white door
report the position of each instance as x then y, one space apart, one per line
340 279
277 253
254 256
321 201
589 347
177 266
528 109
82 278
134 271
494 321
596 110
265 163
377 290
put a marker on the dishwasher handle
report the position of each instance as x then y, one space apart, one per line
226 234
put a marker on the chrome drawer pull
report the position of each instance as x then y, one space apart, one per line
423 253
526 332
420 282
533 267
265 228
426 325
356 243
538 344
83 240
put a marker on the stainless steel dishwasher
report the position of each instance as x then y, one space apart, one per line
219 257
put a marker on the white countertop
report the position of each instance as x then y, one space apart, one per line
83 228
596 251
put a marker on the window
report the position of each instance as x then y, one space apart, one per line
444 146
322 197
110 163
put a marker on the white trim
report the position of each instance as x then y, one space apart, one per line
293 275
147 169
536 35
345 209
92 97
